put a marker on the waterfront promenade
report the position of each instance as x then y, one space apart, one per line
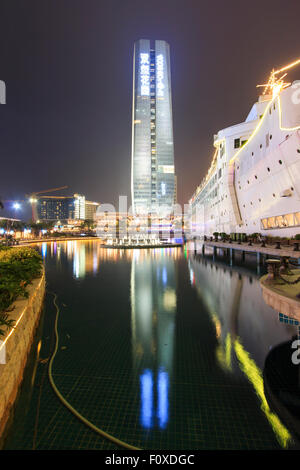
275 249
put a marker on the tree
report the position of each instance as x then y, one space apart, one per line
88 224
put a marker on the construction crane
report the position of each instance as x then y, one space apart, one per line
33 199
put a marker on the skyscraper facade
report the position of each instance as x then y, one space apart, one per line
152 166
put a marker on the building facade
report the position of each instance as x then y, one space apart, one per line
152 168
55 208
65 208
91 210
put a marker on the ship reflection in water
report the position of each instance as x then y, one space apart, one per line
196 334
153 310
246 328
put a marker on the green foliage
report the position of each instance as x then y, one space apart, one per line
89 224
18 266
5 323
297 237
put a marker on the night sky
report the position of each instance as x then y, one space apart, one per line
67 65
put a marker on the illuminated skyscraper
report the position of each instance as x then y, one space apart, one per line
152 166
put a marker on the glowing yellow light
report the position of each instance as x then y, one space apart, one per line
253 133
276 85
254 376
274 81
21 314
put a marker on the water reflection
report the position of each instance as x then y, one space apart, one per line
153 308
246 328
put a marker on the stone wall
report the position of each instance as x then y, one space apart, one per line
16 345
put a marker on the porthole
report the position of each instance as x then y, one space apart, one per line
273 195
292 189
298 150
270 136
280 162
259 200
252 154
260 146
268 169
255 177
248 181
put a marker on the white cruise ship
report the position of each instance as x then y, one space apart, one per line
253 183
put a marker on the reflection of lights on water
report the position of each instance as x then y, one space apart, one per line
76 264
79 267
54 247
163 404
44 249
192 277
69 249
95 263
146 382
164 275
58 252
162 414
169 299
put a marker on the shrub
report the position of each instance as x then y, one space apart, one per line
18 267
297 237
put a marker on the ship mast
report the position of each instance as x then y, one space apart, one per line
276 84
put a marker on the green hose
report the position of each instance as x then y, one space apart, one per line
68 405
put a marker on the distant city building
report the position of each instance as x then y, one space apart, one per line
79 207
91 209
65 208
55 208
153 185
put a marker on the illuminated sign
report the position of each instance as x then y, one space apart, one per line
160 75
145 74
166 168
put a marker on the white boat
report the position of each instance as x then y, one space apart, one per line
253 183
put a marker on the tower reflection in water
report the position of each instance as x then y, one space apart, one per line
153 309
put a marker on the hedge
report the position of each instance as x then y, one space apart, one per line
18 267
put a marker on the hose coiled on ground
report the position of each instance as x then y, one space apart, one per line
84 420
